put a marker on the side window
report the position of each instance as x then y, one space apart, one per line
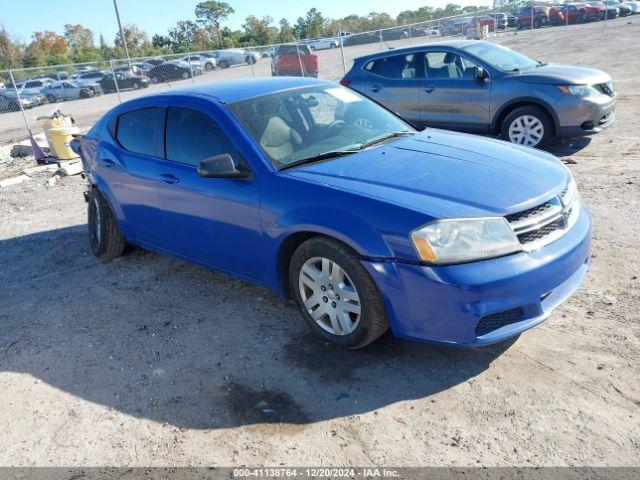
397 66
139 131
192 136
447 65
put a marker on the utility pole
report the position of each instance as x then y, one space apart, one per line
124 42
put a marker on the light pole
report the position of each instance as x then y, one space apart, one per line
124 42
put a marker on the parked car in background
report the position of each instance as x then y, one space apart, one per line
417 32
91 80
583 12
235 56
126 81
294 60
314 191
200 61
268 53
59 75
501 19
610 11
557 15
633 6
67 90
512 21
623 8
481 87
33 86
452 26
322 43
10 102
540 16
483 21
172 70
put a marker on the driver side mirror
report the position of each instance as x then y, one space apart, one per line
220 166
481 75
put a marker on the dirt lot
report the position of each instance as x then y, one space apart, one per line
150 361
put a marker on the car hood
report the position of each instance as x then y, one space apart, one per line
563 75
446 174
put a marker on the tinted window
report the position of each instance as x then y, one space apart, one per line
397 66
138 131
192 136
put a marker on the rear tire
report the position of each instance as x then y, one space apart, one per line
105 237
346 276
528 118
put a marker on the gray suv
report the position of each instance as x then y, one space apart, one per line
481 87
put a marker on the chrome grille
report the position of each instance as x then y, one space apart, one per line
544 223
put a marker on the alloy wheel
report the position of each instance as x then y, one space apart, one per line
526 130
329 296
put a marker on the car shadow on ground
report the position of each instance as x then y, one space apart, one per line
157 338
566 147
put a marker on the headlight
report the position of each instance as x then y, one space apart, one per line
579 90
464 240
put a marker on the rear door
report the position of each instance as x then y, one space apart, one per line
451 97
394 82
213 221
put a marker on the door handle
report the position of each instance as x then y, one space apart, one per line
429 88
375 88
107 162
168 178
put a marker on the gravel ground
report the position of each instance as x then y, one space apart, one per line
148 360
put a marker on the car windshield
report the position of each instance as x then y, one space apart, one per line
500 57
299 125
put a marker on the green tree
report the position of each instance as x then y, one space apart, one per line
10 50
259 31
286 33
209 14
310 26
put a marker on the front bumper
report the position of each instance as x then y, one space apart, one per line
584 116
447 304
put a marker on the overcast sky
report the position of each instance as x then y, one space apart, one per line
24 17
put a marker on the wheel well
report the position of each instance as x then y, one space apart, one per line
288 247
525 103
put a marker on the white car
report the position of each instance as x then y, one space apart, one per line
236 56
33 87
205 63
323 43
90 79
634 6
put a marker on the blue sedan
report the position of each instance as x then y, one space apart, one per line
324 196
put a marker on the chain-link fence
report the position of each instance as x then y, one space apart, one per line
86 91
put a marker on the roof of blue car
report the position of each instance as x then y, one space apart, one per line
236 90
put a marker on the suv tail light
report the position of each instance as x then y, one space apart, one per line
345 83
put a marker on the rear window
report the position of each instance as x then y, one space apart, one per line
139 130
293 50
397 66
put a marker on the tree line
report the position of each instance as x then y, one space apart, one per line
77 44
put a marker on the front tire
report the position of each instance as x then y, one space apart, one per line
336 295
105 237
529 125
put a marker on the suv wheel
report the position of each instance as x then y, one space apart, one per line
336 295
529 126
105 237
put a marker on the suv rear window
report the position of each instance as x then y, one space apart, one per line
397 66
139 131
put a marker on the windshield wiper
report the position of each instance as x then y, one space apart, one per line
388 136
321 156
542 64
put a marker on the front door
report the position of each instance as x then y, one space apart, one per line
451 96
213 221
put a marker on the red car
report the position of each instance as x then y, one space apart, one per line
294 61
484 21
540 16
577 13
